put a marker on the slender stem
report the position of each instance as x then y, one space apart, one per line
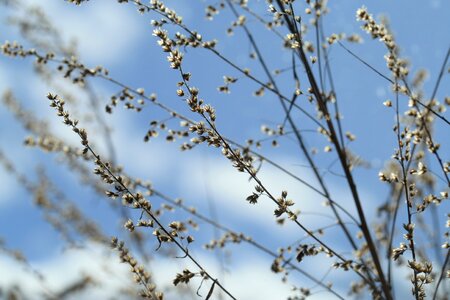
342 157
245 238
258 181
144 208
392 82
401 159
296 131
442 274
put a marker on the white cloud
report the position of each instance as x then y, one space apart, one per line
104 30
65 268
230 188
102 37
250 278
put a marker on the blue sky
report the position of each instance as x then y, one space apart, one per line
118 38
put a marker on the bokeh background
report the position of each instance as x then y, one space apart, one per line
120 39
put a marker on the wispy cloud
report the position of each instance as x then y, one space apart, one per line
250 278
